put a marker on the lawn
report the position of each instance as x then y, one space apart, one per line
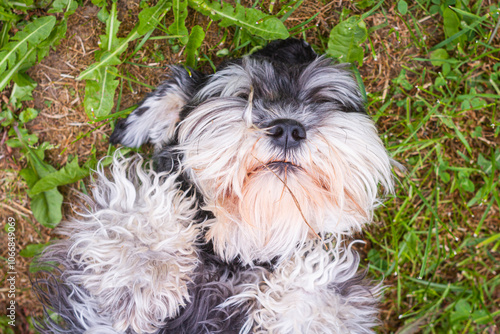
430 72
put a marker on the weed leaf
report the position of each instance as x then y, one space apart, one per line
403 7
438 54
452 25
99 93
195 39
150 17
27 115
250 19
180 14
33 33
46 206
70 173
110 41
109 57
5 78
345 39
66 6
33 250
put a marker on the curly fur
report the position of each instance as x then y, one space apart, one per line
316 291
132 253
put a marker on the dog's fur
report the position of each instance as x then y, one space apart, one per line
259 171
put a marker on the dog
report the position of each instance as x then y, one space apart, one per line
238 223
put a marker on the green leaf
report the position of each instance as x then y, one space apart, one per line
195 39
451 25
103 14
149 18
27 115
29 176
481 317
22 89
345 39
99 3
449 123
5 77
445 176
57 34
485 164
178 27
478 132
250 19
99 93
467 185
33 33
66 6
7 117
403 7
70 173
109 57
110 41
101 76
32 250
362 4
14 141
46 207
222 52
437 55
462 311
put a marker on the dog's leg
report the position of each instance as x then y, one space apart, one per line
129 259
157 115
317 291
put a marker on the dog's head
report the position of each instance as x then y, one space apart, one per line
278 144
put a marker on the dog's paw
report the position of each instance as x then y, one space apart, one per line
135 250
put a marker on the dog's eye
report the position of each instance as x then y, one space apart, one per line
243 96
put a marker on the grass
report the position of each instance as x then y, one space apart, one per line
431 74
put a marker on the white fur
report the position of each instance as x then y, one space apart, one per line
157 124
316 291
135 247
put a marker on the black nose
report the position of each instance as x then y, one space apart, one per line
286 133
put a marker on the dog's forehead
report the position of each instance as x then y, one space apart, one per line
279 84
268 78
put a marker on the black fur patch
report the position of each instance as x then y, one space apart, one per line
213 283
290 51
55 297
119 131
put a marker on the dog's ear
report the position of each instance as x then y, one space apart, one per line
289 51
156 117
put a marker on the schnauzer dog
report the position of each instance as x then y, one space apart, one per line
237 223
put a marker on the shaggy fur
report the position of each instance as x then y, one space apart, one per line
260 170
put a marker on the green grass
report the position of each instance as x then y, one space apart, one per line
431 76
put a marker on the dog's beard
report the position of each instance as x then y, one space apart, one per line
277 210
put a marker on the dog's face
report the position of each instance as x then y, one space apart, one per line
278 144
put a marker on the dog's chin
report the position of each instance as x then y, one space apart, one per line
280 207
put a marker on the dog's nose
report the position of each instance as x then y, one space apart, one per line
286 133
